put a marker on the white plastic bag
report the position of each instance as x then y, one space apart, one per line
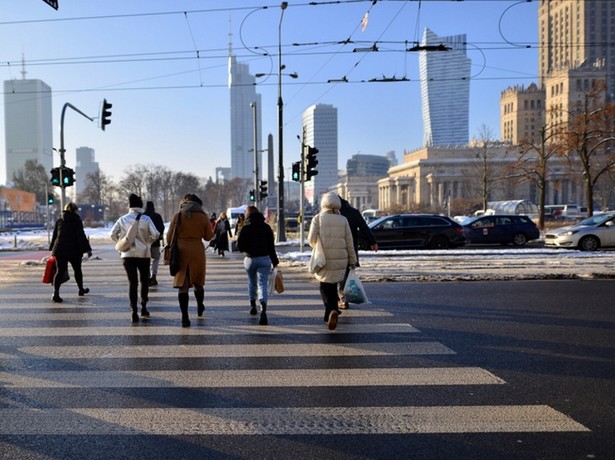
317 259
275 283
353 289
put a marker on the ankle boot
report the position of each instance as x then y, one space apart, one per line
263 320
253 307
144 311
153 281
56 296
183 306
200 307
135 315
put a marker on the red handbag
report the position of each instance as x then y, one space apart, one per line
50 270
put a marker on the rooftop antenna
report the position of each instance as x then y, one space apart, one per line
23 67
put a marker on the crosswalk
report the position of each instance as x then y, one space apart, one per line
82 368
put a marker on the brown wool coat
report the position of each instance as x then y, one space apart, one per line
192 231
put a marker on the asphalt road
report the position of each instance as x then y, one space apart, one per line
505 370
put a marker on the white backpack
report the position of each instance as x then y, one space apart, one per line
125 243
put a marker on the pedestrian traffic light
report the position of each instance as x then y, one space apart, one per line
105 114
252 196
55 177
263 190
310 163
50 198
68 177
296 175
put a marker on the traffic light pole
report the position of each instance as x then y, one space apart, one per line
63 150
302 197
255 149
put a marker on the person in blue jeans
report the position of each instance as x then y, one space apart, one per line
257 242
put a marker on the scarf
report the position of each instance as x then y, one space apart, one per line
188 207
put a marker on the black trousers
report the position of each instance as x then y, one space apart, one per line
137 269
330 297
63 267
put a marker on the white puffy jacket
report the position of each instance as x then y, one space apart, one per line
146 233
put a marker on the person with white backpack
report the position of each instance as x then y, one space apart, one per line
134 233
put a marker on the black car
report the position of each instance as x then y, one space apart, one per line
412 231
501 229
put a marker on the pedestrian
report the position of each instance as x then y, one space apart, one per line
150 211
360 231
192 226
241 218
223 233
68 244
256 240
136 259
336 239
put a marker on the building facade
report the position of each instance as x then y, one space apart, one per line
574 32
522 114
243 118
28 125
445 90
85 165
319 123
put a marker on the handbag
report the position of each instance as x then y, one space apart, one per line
51 267
125 243
353 289
171 251
317 259
275 282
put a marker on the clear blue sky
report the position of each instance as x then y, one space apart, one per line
171 108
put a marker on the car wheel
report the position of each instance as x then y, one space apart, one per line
589 243
439 242
519 239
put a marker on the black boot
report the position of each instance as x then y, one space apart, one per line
153 281
135 315
56 296
253 307
263 320
183 306
144 311
200 306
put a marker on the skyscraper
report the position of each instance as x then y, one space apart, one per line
319 123
85 165
445 91
243 94
576 32
28 126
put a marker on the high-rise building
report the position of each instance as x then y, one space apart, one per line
367 165
85 165
243 117
522 113
576 32
319 123
445 90
28 125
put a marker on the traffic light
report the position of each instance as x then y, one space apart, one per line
105 114
311 163
296 175
68 177
252 196
263 190
55 177
50 198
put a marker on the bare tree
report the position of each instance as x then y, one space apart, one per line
483 165
33 178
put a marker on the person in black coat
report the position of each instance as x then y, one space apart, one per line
358 228
68 244
156 218
223 232
257 242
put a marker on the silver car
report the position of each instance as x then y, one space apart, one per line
588 235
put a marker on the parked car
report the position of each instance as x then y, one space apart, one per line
501 229
588 235
411 231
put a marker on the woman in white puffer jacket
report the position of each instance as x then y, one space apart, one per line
334 232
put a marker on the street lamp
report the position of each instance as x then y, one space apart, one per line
281 233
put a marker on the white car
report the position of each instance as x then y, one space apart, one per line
588 235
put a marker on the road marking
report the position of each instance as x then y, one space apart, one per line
287 421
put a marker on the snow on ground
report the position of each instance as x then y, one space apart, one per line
464 264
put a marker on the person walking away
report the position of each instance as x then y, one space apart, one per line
150 211
223 232
336 239
68 244
192 226
256 240
359 230
241 218
136 259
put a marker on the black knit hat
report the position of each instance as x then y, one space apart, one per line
135 201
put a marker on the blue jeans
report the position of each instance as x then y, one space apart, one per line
258 269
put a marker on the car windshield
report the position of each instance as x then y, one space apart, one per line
376 222
596 220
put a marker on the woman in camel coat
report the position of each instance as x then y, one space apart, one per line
192 226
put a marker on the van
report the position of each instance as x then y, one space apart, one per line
562 211
233 213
